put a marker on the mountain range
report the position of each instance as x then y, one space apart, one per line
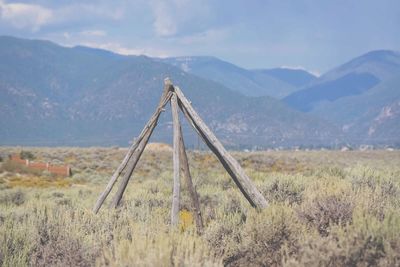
55 95
361 96
277 83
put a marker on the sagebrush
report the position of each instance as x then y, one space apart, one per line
326 208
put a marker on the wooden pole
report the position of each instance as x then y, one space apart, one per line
130 167
148 127
255 198
192 190
136 155
176 144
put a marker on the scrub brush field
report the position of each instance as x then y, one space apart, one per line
326 208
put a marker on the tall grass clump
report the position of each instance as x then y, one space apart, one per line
266 237
365 242
12 197
284 188
326 208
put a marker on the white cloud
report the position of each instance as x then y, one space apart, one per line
211 35
67 35
181 17
164 24
94 33
22 15
75 37
34 17
313 72
298 67
89 12
123 50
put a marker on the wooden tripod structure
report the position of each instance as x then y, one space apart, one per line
178 101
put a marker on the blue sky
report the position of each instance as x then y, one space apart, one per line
312 34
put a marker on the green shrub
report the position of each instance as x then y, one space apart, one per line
330 172
322 212
16 198
284 190
390 188
224 236
267 237
55 247
27 155
15 167
15 243
366 242
335 213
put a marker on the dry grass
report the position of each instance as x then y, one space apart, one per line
38 181
327 208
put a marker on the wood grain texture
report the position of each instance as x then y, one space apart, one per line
143 135
176 161
189 183
246 186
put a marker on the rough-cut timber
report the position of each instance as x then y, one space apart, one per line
130 167
148 127
189 183
138 152
178 100
244 183
176 144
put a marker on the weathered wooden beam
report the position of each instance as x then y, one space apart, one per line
138 152
130 168
145 132
176 144
136 156
189 183
246 186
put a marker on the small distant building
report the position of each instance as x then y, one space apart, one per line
62 170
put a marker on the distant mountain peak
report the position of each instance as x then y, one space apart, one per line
381 53
387 57
381 63
316 74
294 69
247 82
97 51
359 96
15 40
193 58
297 77
50 94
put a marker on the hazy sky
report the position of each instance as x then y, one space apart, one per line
313 34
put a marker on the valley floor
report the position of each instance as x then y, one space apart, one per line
327 208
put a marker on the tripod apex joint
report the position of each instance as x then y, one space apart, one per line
175 96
